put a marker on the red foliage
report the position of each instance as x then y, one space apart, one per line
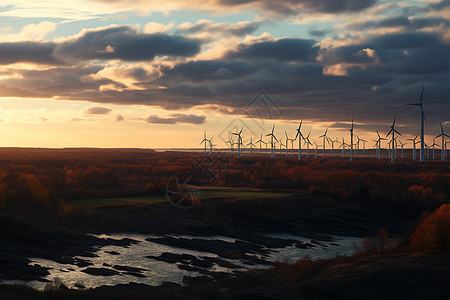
433 233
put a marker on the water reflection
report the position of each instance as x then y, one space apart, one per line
154 272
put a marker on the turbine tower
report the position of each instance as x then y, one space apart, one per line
315 152
376 147
364 146
442 135
210 146
260 141
230 141
343 147
307 143
434 145
251 145
300 135
401 145
422 120
272 136
357 144
332 145
351 142
325 138
287 142
379 144
414 146
204 140
393 132
239 140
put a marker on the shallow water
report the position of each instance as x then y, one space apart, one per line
157 271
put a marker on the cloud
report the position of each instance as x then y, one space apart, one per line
316 32
119 118
284 49
223 29
404 22
30 52
279 8
124 43
31 32
96 110
177 119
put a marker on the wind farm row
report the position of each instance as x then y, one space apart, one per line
307 147
356 147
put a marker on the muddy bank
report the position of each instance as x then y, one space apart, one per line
248 221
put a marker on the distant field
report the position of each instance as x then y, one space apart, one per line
207 192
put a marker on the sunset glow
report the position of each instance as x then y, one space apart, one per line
157 74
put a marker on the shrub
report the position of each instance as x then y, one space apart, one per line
433 233
378 243
55 285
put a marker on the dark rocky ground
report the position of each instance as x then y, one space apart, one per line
394 274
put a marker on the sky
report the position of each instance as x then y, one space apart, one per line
157 74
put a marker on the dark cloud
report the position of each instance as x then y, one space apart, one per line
96 110
400 21
177 119
125 43
29 52
197 71
440 5
398 53
239 29
384 71
282 7
119 118
316 32
332 6
285 49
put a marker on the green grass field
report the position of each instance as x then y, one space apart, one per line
206 192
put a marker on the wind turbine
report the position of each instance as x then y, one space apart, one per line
393 131
287 142
281 145
376 147
272 136
251 145
239 140
446 142
210 146
343 147
422 120
357 145
300 139
230 141
325 138
315 144
332 145
260 141
307 143
443 135
414 146
401 145
204 140
364 146
433 145
351 142
379 144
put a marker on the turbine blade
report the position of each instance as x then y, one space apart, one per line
389 133
421 94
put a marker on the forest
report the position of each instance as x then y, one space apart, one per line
46 178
